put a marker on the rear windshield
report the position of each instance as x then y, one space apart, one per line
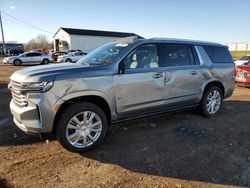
218 54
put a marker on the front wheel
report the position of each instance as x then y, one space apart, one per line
68 60
211 101
82 126
17 62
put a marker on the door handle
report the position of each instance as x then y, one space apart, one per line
158 75
194 72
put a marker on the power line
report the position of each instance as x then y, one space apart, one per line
25 23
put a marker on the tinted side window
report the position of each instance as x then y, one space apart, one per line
32 54
175 55
29 55
218 54
36 54
144 56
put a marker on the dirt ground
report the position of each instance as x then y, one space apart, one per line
181 150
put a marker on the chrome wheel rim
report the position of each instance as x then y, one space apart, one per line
213 102
84 129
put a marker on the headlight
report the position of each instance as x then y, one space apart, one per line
36 86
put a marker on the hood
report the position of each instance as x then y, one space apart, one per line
43 73
11 57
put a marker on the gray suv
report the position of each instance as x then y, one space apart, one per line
122 80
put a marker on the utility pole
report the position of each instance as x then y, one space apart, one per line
1 24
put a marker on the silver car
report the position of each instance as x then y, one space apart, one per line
120 81
28 58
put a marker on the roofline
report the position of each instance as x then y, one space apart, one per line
57 31
189 41
117 32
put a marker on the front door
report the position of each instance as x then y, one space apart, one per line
140 87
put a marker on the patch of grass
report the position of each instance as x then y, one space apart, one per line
238 54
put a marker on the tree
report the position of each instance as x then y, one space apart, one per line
39 42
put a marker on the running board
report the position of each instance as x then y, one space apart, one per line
156 113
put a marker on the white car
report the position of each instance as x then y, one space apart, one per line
243 60
71 57
28 58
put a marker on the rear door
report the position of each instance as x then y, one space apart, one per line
28 58
183 75
37 57
140 87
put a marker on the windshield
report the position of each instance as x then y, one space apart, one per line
23 54
103 55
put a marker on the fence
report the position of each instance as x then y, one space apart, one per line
238 46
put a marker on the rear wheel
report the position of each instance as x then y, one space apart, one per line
45 61
211 101
81 127
17 62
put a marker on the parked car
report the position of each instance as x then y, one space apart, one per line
120 81
55 55
71 57
243 60
28 58
70 51
242 75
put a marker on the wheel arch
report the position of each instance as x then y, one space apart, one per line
17 59
94 99
215 83
45 59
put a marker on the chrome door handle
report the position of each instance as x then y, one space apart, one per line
158 75
194 72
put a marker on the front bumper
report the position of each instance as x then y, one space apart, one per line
27 118
7 62
245 82
60 60
38 116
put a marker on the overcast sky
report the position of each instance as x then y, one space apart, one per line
210 20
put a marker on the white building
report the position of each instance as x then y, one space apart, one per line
85 40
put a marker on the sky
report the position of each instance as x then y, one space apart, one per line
210 20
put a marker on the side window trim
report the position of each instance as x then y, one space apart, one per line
190 56
202 55
195 55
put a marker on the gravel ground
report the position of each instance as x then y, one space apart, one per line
179 150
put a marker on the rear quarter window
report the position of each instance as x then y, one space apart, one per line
218 54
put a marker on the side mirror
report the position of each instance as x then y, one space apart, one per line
121 67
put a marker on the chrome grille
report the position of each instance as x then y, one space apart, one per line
17 96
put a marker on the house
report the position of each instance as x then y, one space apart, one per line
85 40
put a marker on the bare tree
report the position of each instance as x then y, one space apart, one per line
39 42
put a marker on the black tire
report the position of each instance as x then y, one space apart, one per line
45 61
17 62
203 104
68 60
66 117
